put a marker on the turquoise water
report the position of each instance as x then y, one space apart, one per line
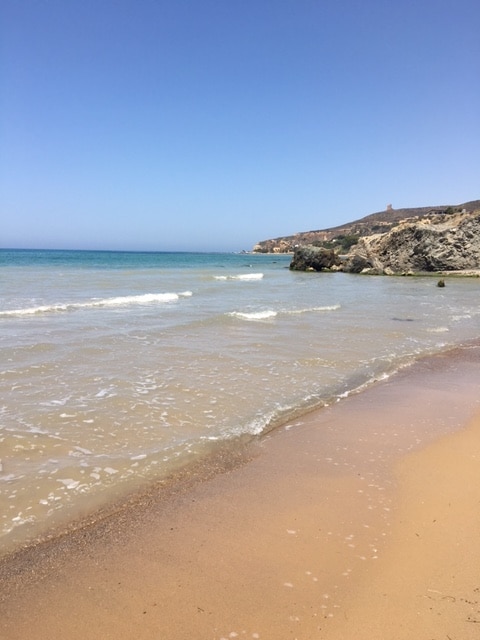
117 368
123 259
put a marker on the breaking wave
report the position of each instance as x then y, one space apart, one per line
269 314
118 301
254 315
243 276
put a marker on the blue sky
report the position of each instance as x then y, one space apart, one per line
213 124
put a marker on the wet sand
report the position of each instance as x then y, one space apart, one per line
357 521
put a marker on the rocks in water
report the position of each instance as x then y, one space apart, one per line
310 258
442 243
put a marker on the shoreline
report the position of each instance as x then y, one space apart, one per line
223 457
305 526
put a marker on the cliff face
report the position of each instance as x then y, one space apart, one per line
380 222
440 243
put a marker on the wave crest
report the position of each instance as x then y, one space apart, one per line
333 307
268 314
118 301
242 276
254 315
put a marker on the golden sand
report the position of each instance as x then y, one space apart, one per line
357 521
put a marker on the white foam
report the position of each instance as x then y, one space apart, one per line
18 520
332 307
270 313
146 298
55 403
110 471
241 276
83 450
69 483
102 393
249 276
117 301
254 315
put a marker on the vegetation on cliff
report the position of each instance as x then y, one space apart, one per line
343 237
448 242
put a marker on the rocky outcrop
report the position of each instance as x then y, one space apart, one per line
274 246
440 243
380 222
309 258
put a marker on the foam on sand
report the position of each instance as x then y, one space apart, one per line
357 521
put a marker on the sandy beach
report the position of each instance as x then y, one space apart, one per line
360 521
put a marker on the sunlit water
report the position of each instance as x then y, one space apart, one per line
117 368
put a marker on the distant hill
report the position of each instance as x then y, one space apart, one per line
347 234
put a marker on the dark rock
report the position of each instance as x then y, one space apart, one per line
310 258
359 263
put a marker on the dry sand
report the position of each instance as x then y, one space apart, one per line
357 521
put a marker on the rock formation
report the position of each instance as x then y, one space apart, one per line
309 258
343 235
449 242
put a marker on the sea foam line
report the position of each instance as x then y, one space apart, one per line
269 314
333 307
118 301
254 315
243 276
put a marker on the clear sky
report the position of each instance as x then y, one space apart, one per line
213 124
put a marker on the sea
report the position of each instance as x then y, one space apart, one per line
117 369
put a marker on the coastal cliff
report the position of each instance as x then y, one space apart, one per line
437 244
422 240
441 243
444 243
344 236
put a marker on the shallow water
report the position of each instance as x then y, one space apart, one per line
117 368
